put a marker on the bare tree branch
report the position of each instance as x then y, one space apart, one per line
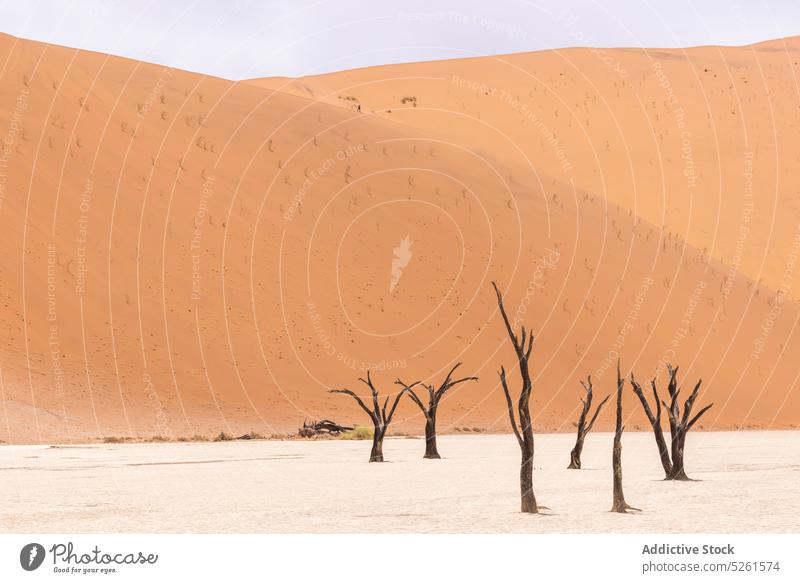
413 396
510 405
596 413
696 417
509 329
358 400
388 419
449 375
689 403
443 389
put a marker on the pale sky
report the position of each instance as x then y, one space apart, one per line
238 39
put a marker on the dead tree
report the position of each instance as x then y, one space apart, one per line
583 428
679 424
322 427
430 409
655 422
619 504
381 418
523 345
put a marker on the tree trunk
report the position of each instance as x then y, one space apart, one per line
377 446
575 454
655 423
528 500
430 438
526 467
663 451
678 472
619 504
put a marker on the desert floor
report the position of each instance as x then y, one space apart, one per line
746 482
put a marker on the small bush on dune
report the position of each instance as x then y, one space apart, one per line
358 432
223 437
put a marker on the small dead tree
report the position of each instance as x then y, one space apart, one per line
583 428
430 409
679 424
523 346
619 504
381 418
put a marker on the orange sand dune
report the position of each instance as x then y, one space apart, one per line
186 254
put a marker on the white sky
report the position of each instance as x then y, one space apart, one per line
238 39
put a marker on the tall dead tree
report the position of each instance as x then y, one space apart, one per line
679 423
523 346
583 427
619 504
430 409
655 422
379 415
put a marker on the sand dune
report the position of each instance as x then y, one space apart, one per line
185 254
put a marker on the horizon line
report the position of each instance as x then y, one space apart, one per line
622 47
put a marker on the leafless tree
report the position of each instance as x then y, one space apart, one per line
655 422
381 418
679 423
523 346
619 504
322 427
430 409
583 428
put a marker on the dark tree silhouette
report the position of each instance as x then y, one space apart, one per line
523 345
379 415
583 427
430 409
619 504
655 422
679 424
